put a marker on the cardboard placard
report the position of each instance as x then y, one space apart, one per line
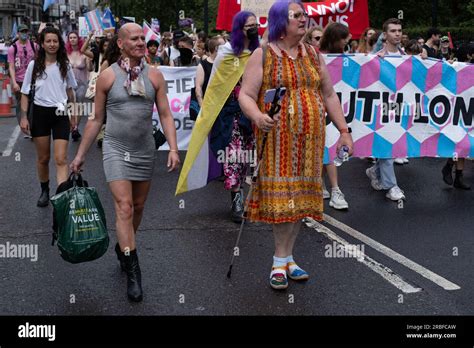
259 7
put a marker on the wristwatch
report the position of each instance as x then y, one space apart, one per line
346 130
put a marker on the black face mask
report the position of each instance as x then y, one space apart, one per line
252 33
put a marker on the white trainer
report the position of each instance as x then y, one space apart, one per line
337 200
405 160
395 194
326 194
371 173
399 160
374 181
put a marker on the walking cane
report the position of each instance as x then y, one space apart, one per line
275 108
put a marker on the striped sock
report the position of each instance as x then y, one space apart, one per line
292 263
279 262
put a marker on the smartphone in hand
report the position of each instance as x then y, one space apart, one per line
270 95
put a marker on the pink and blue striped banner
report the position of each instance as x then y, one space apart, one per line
403 106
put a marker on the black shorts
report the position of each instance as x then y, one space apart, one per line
45 122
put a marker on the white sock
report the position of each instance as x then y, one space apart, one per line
279 261
335 188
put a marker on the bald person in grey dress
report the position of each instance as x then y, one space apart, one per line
129 150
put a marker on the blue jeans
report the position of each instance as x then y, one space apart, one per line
386 173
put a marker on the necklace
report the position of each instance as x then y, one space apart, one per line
287 53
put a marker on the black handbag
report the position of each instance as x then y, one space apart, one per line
194 107
31 100
158 135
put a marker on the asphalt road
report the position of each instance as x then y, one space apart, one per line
184 251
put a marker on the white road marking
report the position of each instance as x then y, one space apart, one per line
375 266
11 142
435 278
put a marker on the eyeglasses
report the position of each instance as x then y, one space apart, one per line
298 15
248 26
317 38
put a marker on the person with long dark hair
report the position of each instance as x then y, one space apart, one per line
96 51
111 54
54 91
335 38
364 46
289 183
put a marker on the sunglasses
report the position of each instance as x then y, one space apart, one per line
317 38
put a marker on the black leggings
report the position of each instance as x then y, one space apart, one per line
46 121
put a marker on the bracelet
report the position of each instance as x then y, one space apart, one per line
347 130
174 151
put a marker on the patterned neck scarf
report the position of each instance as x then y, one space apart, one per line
135 83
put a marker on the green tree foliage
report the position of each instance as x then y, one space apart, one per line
167 11
414 13
451 13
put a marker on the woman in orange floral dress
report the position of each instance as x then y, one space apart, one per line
289 184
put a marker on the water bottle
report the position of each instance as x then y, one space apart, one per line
342 155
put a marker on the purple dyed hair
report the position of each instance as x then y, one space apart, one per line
278 18
237 40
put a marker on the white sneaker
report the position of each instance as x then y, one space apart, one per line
405 160
395 194
337 200
399 160
326 194
374 181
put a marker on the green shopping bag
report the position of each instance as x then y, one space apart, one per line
80 222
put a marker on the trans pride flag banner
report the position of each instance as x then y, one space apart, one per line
396 106
403 106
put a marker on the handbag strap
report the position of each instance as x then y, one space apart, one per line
33 84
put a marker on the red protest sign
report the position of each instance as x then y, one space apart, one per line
353 13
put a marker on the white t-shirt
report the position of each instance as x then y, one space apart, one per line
174 53
50 89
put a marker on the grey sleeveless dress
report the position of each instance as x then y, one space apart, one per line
128 146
